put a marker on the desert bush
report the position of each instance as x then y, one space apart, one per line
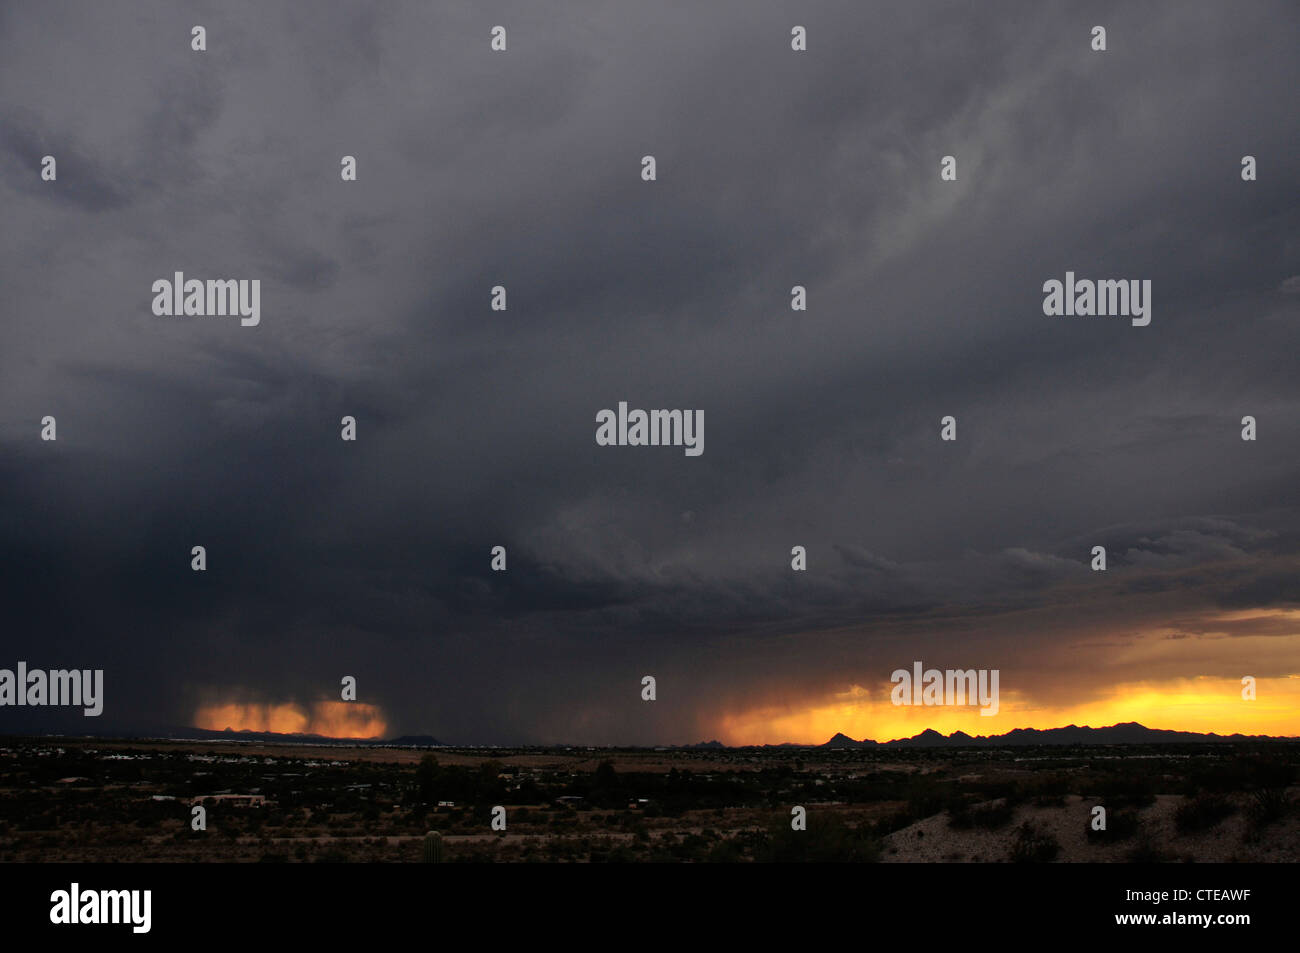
1124 791
827 840
726 851
1034 845
989 816
1120 826
1146 851
1268 805
1202 812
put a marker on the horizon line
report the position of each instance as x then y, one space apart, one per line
235 734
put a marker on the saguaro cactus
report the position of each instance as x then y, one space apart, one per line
433 848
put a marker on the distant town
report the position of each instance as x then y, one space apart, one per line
232 798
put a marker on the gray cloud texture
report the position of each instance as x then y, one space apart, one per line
476 428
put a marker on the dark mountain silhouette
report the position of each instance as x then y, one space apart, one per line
1127 733
844 741
416 741
926 739
205 734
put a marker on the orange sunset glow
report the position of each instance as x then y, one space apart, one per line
1151 674
331 719
1198 704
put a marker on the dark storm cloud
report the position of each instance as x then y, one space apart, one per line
23 146
477 428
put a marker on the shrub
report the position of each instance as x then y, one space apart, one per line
1125 791
1202 812
989 816
1146 851
1268 805
1034 846
827 840
1120 826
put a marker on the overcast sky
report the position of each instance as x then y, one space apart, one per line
476 428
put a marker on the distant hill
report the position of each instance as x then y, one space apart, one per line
206 734
1128 733
414 741
844 741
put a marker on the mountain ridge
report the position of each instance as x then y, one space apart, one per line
1128 732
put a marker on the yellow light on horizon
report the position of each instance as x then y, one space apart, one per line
1195 704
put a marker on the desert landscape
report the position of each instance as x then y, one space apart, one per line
93 800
